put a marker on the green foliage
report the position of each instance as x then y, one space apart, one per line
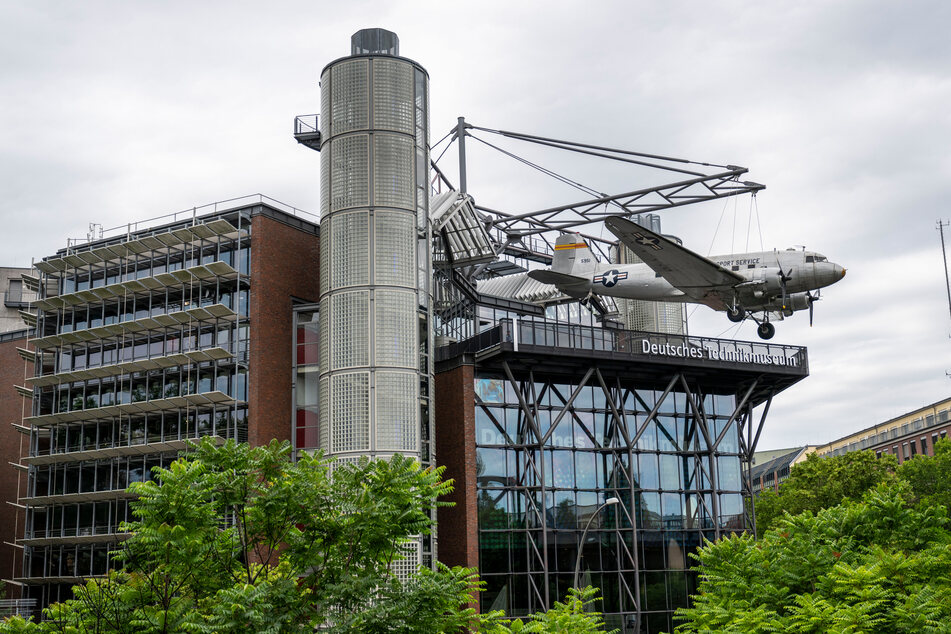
878 565
573 616
235 539
818 483
930 477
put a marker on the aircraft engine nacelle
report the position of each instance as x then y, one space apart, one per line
794 302
769 281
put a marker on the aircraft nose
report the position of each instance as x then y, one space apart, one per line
839 271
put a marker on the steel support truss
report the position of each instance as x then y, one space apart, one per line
617 447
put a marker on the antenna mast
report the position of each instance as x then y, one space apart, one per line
944 254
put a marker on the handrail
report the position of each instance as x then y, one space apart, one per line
302 125
630 342
194 212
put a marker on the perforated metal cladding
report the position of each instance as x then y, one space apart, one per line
397 426
350 103
350 336
325 115
350 246
395 328
323 428
404 568
349 175
325 185
323 359
422 109
394 251
373 217
393 171
350 423
392 95
325 256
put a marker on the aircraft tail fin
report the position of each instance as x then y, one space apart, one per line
572 256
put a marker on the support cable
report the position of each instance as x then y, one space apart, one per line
436 144
574 146
441 154
564 179
726 201
749 223
759 226
733 232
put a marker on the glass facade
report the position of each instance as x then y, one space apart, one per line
551 451
306 365
142 343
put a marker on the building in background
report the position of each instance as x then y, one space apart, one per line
17 290
159 333
905 436
771 468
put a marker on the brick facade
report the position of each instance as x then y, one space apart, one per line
13 444
456 448
285 262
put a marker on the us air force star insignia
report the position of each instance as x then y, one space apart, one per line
648 241
610 278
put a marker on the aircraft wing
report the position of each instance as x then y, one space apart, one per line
547 276
699 278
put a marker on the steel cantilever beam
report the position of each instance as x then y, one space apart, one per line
698 186
563 217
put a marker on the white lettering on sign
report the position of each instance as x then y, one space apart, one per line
686 351
738 262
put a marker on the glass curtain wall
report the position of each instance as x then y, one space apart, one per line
550 452
142 343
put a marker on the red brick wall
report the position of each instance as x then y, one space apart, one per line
12 372
284 263
455 448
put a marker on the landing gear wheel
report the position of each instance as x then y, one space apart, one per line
766 330
736 315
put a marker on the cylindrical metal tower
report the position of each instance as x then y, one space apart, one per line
375 256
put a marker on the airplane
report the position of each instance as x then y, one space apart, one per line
776 283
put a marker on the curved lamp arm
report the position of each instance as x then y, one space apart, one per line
608 502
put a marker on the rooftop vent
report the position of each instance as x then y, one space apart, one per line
374 42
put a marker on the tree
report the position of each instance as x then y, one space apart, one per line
879 565
573 616
819 483
930 477
241 539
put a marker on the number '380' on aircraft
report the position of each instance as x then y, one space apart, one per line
762 285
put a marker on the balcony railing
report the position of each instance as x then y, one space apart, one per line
644 345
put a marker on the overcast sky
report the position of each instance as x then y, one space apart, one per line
114 112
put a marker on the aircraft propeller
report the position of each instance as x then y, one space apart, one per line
812 300
783 278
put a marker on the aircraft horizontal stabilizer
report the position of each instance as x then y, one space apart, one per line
547 276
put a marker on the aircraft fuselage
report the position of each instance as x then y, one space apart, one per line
805 271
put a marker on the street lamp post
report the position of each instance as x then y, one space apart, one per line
608 502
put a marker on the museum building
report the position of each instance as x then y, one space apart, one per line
577 447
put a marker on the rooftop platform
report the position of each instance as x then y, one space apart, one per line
720 365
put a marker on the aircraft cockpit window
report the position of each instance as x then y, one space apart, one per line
821 258
810 258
